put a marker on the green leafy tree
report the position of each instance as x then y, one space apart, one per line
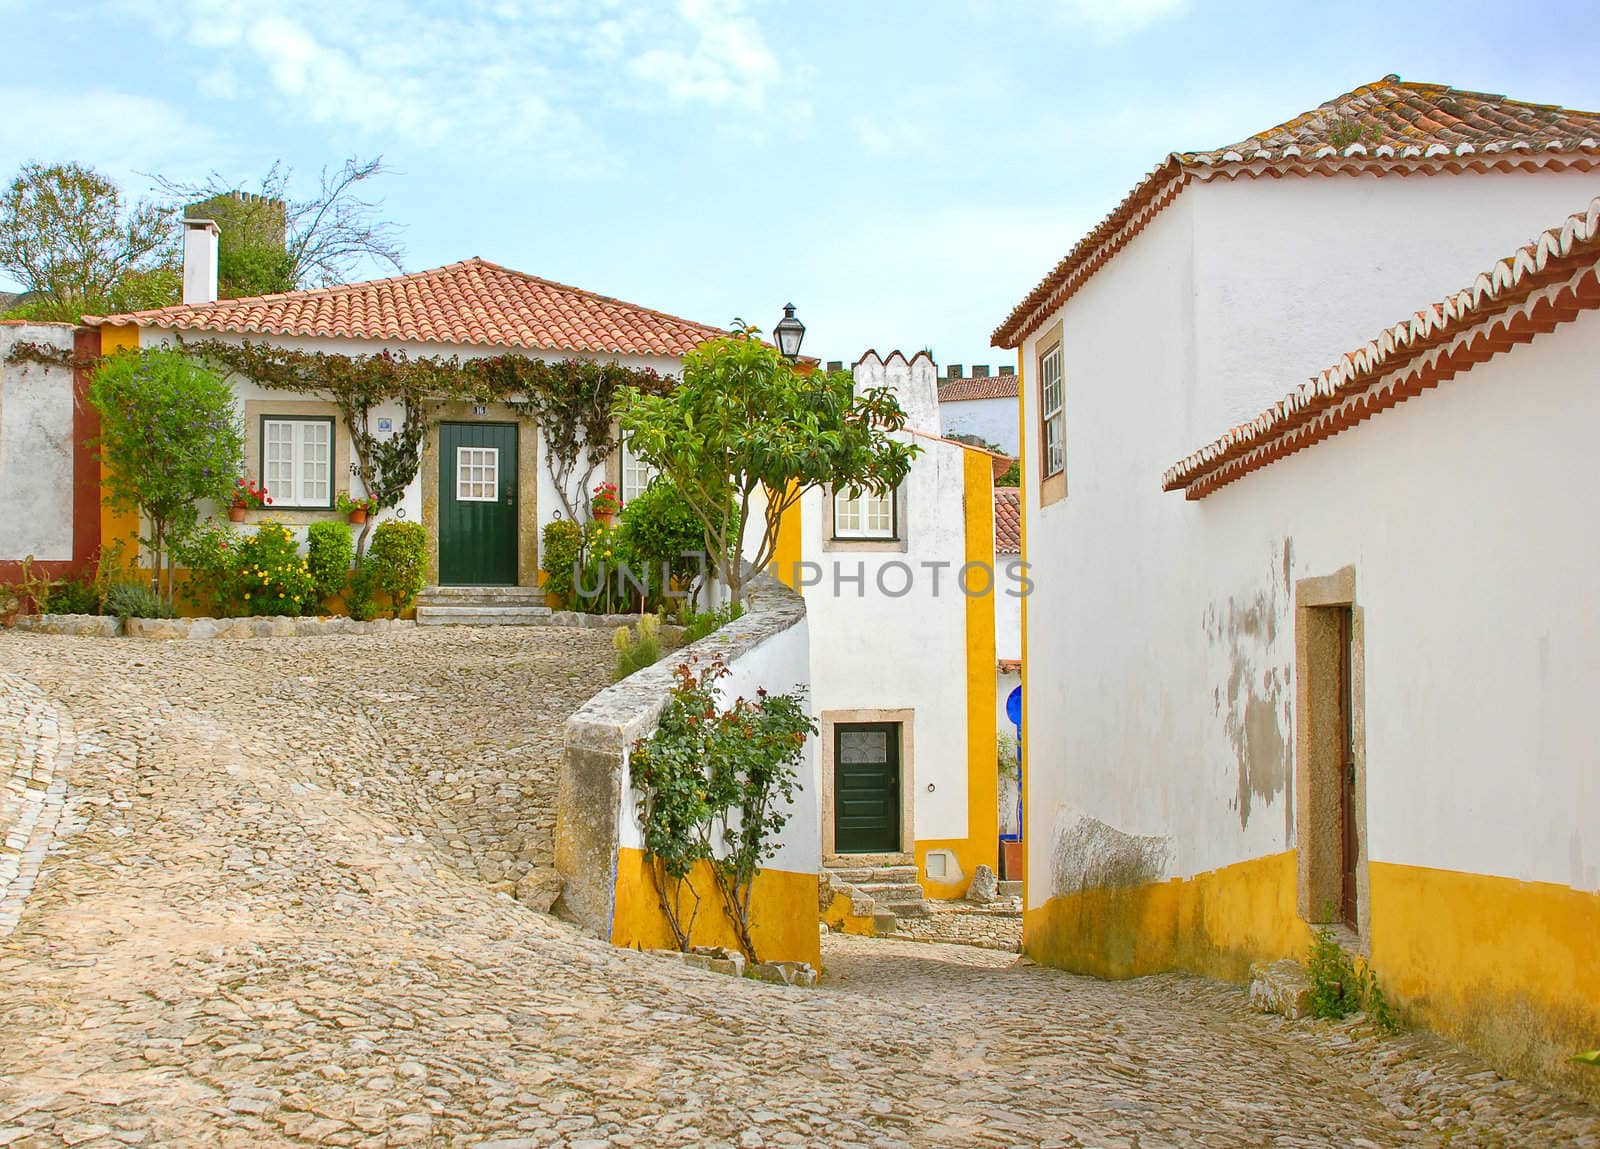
744 418
170 436
68 237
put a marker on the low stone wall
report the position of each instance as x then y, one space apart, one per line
595 823
87 625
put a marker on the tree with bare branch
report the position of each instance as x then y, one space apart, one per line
326 238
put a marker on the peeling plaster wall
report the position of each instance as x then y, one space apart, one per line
35 448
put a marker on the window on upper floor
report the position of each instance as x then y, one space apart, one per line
1052 414
865 516
297 460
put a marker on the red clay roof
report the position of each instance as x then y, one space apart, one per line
992 387
1544 284
1382 128
1007 521
474 302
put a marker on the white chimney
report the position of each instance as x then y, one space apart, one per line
200 260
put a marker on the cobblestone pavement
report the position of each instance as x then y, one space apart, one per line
266 921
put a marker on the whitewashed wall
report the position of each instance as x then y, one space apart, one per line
1161 642
994 420
874 651
35 447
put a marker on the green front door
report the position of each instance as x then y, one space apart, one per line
478 504
866 788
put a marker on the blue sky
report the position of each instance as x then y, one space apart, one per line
904 172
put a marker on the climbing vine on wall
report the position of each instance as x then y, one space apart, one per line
26 351
570 398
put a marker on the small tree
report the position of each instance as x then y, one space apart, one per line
744 418
67 235
170 436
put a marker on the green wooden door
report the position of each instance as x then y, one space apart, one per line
478 504
866 788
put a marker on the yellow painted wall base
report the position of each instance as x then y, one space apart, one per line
1215 924
783 912
1511 968
839 918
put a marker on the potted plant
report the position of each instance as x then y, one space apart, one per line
604 504
356 510
247 497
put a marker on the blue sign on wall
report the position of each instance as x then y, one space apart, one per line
1014 706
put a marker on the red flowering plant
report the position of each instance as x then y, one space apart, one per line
604 503
249 497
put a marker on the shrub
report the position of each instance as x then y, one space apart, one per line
1012 476
73 596
603 587
1340 987
209 551
132 600
661 532
698 624
636 654
330 549
272 577
563 546
396 563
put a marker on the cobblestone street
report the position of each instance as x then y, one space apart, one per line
268 917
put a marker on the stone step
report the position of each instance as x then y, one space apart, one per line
907 909
1009 889
469 615
482 596
857 875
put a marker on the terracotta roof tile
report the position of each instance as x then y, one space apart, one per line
1007 521
992 387
1546 283
1381 128
473 302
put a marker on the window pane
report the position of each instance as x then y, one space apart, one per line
477 474
880 515
636 475
277 460
316 462
863 746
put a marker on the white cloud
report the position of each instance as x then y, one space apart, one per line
126 134
726 60
533 76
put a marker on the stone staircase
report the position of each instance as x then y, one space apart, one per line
482 606
885 893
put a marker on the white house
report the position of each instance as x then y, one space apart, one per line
485 486
980 404
901 593
1344 690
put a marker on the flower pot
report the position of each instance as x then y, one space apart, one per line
236 514
357 517
604 520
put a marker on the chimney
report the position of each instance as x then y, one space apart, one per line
953 371
200 260
980 371
1006 369
836 365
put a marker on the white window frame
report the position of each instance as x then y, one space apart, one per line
853 515
1052 413
478 474
636 474
291 490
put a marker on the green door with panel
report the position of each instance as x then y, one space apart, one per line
866 788
478 504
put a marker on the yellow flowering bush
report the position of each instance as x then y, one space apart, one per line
272 577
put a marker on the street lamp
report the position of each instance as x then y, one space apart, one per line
789 332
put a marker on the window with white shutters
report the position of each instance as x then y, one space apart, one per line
297 461
1052 413
636 474
863 516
